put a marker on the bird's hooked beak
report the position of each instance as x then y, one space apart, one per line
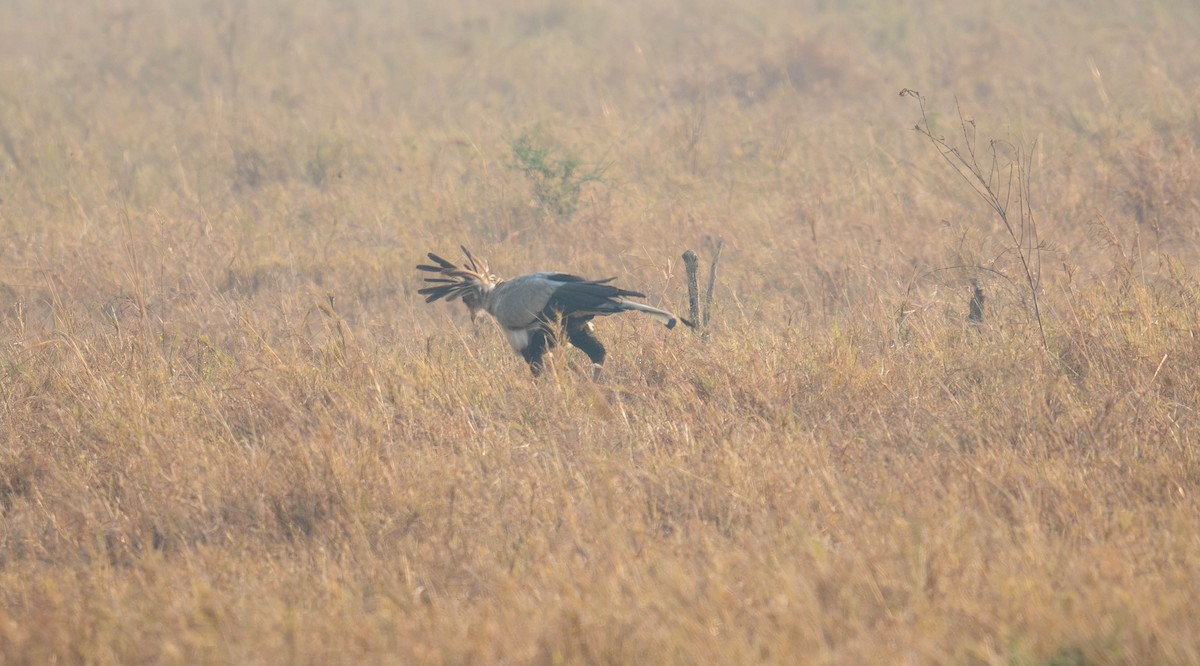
474 307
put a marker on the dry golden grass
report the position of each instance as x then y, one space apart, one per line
232 433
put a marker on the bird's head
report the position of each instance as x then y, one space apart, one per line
474 302
471 282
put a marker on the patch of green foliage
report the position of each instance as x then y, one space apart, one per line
556 175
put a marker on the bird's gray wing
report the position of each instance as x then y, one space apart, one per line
592 297
567 277
538 297
564 277
519 302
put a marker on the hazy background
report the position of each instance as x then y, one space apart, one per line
232 432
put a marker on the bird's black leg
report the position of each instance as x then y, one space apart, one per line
539 343
579 333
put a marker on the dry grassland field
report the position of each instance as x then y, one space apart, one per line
232 432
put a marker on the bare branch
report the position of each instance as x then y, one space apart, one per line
995 194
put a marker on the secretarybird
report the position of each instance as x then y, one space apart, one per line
532 309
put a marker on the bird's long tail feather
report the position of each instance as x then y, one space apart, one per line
662 316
